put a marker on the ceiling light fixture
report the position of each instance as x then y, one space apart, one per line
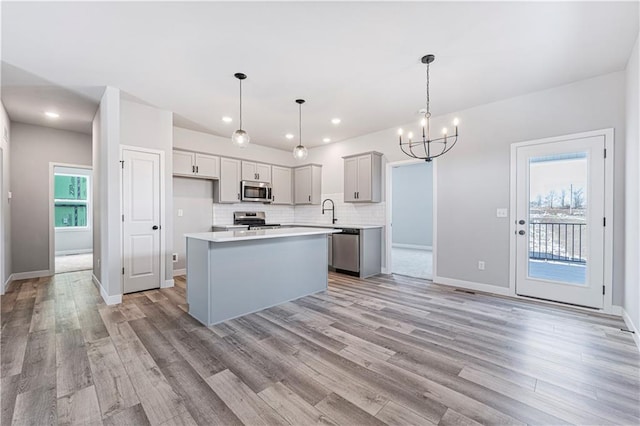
326 140
335 120
289 136
52 114
300 152
227 119
240 138
429 148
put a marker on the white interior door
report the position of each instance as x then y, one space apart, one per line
560 211
141 220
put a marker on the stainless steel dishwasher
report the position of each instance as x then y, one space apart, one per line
346 250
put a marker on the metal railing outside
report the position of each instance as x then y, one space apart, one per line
563 242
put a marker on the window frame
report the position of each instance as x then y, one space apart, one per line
86 203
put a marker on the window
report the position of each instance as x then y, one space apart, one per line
71 199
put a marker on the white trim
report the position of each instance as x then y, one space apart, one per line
470 285
72 252
52 229
411 246
163 239
30 274
6 284
616 310
109 300
178 272
168 283
608 135
388 212
631 326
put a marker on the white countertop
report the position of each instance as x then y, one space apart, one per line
335 226
228 236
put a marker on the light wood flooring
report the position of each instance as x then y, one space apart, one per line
385 350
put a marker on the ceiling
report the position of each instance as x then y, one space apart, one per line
359 61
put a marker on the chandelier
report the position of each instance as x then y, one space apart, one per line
240 138
426 148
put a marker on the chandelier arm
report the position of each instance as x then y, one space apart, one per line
410 153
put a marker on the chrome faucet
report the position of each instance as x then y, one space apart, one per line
333 210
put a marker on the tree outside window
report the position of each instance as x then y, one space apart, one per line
71 200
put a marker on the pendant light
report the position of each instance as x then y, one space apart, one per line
300 152
426 148
240 138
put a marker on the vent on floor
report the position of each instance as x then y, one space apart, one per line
464 291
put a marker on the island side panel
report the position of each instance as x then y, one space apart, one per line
248 276
370 252
198 288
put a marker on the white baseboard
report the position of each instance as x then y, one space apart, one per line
615 310
70 252
167 284
470 285
177 272
31 274
109 300
6 283
412 246
631 326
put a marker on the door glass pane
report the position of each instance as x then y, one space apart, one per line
558 218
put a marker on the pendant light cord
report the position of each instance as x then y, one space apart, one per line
300 122
428 114
240 104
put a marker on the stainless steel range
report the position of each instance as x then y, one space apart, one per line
255 220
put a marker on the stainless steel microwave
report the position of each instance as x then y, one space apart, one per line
255 191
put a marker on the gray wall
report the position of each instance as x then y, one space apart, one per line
632 230
32 148
195 198
475 174
73 241
412 204
5 208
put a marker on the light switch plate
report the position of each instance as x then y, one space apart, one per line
502 213
180 213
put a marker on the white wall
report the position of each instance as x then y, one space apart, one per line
75 241
148 127
5 208
412 204
632 229
32 149
474 176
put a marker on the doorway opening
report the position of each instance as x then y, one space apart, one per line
410 245
71 239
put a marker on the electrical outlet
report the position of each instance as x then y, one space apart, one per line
502 213
481 265
174 256
180 213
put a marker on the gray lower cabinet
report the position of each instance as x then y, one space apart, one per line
357 252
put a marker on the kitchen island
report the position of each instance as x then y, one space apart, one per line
234 273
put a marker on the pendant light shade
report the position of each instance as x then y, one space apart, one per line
300 152
240 138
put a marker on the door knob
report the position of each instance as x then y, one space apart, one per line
155 227
521 222
521 232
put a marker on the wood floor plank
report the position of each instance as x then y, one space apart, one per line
13 343
292 407
453 418
8 394
345 413
39 366
44 316
113 385
72 363
246 405
79 408
36 407
129 416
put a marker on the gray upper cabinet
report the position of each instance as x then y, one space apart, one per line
307 184
227 188
192 164
281 185
256 171
363 178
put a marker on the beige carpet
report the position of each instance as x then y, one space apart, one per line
412 262
74 262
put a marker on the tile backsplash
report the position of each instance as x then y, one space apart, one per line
346 213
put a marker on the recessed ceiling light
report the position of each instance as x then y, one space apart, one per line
335 120
51 114
289 136
227 119
326 140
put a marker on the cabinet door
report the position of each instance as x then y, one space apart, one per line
364 178
264 172
207 166
281 185
229 180
350 179
302 185
249 171
183 163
